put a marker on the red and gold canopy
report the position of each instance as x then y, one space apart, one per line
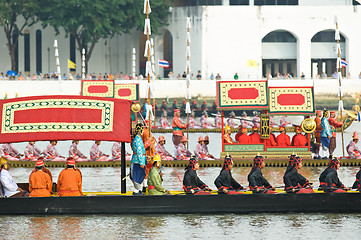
242 95
97 88
64 118
129 91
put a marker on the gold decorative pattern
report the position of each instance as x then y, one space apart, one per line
134 88
88 83
265 130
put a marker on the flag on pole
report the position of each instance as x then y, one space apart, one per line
71 64
344 63
252 63
163 63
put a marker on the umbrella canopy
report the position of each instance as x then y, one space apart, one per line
11 73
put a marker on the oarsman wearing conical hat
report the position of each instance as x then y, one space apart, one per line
225 183
138 161
257 183
334 125
318 134
70 180
155 178
352 149
40 182
293 180
283 140
161 151
254 136
182 153
230 120
192 122
243 121
177 125
11 153
333 183
31 152
227 135
199 152
8 186
218 120
325 134
191 182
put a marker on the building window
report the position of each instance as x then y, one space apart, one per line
26 51
326 36
38 52
72 51
279 36
239 2
16 50
275 2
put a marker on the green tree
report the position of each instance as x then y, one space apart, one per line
90 20
15 15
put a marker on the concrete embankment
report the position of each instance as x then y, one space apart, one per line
326 90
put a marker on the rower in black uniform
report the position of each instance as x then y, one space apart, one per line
294 181
333 183
257 183
191 182
225 182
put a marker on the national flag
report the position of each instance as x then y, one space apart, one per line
252 63
71 64
163 63
344 63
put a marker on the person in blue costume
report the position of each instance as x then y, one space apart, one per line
325 135
138 161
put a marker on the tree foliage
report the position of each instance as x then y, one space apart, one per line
15 15
90 20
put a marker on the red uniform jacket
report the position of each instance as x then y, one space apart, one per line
255 138
299 140
243 138
334 124
283 140
271 141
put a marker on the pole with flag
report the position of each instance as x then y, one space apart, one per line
57 63
339 77
188 94
83 63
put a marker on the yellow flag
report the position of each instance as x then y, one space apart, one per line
252 63
71 65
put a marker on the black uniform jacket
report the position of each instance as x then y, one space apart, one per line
293 179
357 183
192 181
332 181
322 178
226 181
256 179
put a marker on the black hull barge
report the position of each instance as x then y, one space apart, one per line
182 204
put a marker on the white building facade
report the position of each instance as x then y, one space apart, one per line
281 36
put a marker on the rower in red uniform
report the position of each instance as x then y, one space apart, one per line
283 140
357 183
333 183
299 140
177 125
225 182
318 134
191 182
254 136
294 181
243 138
70 180
199 152
257 183
272 139
227 135
334 124
40 183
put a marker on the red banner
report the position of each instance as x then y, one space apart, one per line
129 91
97 88
242 94
44 118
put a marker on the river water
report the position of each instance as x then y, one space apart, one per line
250 226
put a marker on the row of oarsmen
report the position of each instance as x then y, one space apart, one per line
32 153
70 179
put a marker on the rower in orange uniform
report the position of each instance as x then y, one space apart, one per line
334 124
70 180
177 125
254 136
227 135
318 134
243 138
40 182
272 139
299 140
283 140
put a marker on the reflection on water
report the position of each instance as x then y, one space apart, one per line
255 226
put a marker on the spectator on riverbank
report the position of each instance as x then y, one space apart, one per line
199 75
